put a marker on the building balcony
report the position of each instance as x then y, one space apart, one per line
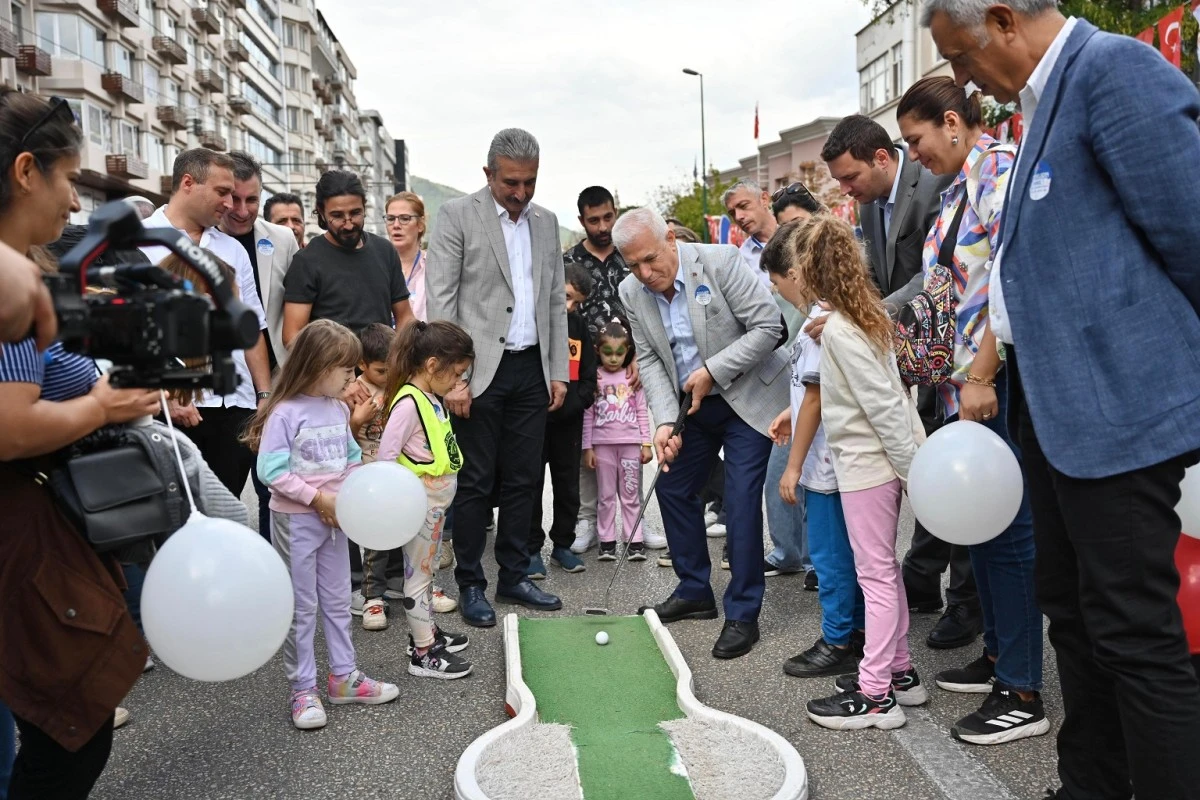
209 79
164 185
10 45
335 84
118 85
173 117
337 116
212 140
364 145
122 12
236 4
240 105
320 124
33 60
236 51
169 50
123 165
321 88
339 154
207 20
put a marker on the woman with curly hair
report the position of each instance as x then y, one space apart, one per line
872 429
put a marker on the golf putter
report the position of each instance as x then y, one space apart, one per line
601 611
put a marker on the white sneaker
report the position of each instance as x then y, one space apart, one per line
356 602
585 536
307 711
655 541
716 530
120 717
374 615
710 518
441 603
149 664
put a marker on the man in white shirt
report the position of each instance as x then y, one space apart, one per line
202 185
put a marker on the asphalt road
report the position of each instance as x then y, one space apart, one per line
235 740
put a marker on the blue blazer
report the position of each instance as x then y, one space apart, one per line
1102 274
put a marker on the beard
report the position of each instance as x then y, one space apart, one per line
349 237
600 240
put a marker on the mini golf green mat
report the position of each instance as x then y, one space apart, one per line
613 697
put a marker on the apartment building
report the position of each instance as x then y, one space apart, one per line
794 156
377 151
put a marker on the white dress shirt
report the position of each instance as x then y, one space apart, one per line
228 250
889 205
522 330
1030 95
751 251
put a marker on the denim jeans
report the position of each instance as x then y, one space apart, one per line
8 748
785 523
1004 573
841 598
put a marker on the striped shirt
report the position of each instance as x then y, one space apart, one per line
61 375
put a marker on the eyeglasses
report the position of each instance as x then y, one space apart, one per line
58 108
795 188
353 216
403 219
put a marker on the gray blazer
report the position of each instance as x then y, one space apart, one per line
897 263
468 281
737 333
271 270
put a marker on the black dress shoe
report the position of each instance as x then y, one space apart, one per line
675 608
475 609
528 595
822 659
958 627
736 639
921 602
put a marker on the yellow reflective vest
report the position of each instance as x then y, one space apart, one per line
446 457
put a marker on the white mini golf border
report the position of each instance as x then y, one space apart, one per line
522 707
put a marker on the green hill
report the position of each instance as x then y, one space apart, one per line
435 194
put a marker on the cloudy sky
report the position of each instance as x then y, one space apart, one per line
599 84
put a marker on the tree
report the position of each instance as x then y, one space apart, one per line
684 201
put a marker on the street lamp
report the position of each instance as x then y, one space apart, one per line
703 152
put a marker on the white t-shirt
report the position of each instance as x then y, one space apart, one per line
818 474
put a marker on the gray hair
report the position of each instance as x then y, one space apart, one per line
637 221
971 13
747 184
514 144
143 206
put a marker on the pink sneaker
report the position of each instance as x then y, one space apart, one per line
358 688
307 711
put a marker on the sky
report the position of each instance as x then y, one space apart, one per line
599 84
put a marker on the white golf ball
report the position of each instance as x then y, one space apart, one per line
601 638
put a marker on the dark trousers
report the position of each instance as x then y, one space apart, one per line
562 451
1107 581
264 505
378 568
714 490
45 769
217 437
715 426
928 556
501 443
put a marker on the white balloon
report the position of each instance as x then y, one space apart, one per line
1189 503
965 484
217 602
382 505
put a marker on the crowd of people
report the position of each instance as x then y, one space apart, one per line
493 356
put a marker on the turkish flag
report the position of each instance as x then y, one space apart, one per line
1170 39
1146 36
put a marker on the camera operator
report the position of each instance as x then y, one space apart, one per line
70 650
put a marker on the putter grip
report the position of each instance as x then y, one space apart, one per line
684 406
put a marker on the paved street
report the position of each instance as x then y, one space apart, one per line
235 740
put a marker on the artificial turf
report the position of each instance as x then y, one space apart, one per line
613 697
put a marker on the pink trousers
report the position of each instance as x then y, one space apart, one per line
871 518
618 478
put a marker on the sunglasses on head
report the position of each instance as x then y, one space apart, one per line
795 188
59 108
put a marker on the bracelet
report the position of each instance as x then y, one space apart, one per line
263 395
978 381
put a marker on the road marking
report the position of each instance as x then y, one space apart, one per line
946 762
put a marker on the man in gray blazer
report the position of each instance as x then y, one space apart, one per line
704 323
898 202
495 268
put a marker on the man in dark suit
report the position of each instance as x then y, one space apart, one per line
1095 289
898 202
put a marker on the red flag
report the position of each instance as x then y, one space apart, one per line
1147 36
1170 40
1018 127
756 122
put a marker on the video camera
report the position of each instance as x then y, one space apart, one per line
152 320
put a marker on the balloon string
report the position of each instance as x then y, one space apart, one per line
187 487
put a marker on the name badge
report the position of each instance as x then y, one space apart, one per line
703 295
265 247
1039 187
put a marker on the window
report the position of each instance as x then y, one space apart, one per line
258 54
294 160
189 44
303 40
265 107
17 15
153 150
308 122
262 151
169 92
150 80
289 77
166 24
130 144
68 36
897 87
259 9
95 125
146 11
290 38
293 119
122 61
873 85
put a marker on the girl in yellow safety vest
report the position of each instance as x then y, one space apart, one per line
425 362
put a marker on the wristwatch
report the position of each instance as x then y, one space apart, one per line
263 395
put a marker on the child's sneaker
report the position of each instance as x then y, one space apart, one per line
437 662
446 557
307 712
453 642
907 686
852 711
120 717
357 601
975 678
608 551
585 536
374 616
441 603
358 688
637 552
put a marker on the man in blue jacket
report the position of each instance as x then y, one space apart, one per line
1095 291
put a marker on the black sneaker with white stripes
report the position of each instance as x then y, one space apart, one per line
436 662
1003 717
852 711
975 678
453 642
907 686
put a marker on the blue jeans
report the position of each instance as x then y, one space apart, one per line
785 523
842 609
1003 567
8 748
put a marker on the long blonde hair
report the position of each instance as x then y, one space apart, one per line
320 347
834 268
